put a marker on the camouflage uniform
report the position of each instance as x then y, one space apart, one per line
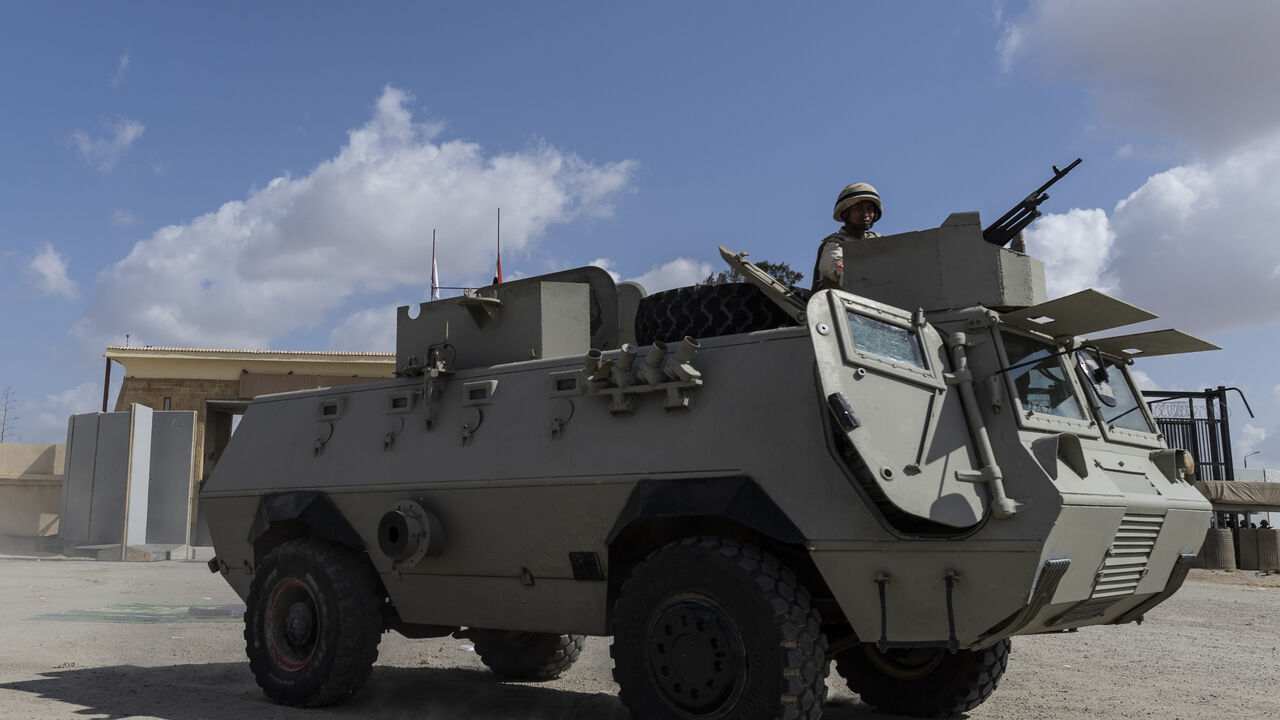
828 269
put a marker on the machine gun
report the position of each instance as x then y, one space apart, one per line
1011 223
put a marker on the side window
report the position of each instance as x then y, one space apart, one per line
1041 380
879 338
886 340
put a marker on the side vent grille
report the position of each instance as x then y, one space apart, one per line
1126 562
1122 570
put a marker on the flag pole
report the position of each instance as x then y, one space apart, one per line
435 272
499 246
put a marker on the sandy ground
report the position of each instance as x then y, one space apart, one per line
86 639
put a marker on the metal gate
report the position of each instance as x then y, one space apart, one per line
1199 423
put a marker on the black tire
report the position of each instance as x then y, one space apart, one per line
312 623
926 682
704 311
527 655
714 628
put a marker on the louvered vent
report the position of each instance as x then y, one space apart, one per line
1123 569
1126 561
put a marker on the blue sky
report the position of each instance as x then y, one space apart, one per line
268 174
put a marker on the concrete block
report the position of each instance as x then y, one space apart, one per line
171 484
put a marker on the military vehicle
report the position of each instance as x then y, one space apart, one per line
737 483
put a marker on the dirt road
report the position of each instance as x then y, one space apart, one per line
86 639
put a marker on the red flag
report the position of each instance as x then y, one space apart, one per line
499 268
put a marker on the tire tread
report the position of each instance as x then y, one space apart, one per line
804 645
354 585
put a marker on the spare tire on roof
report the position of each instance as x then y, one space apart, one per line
703 311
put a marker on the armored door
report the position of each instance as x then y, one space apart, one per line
882 374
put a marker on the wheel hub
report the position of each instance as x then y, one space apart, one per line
906 664
299 624
695 656
291 624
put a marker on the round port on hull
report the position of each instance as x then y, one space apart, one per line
407 533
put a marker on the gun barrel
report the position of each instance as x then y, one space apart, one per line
1024 213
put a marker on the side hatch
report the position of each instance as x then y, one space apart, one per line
881 371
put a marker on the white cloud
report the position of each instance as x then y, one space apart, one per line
104 153
1250 438
608 266
122 68
123 218
674 274
1201 73
46 420
1193 243
50 271
1196 243
1143 380
301 247
1074 248
369 330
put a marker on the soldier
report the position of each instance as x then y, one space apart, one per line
858 207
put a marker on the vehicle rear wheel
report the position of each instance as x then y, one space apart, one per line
527 655
312 623
706 311
714 628
924 682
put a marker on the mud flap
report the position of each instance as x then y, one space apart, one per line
881 370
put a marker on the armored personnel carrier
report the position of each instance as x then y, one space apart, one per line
736 483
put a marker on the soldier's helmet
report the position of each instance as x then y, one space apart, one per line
852 195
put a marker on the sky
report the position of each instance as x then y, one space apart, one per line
269 175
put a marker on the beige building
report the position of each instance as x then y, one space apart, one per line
218 384
30 489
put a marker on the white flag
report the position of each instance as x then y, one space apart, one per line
435 280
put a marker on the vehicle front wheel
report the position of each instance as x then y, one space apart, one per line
924 682
527 655
714 628
312 623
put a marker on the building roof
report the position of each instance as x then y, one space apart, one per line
230 364
139 350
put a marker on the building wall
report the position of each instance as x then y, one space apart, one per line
30 488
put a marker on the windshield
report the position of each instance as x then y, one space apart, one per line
1040 378
1126 413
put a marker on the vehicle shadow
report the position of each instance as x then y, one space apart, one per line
221 690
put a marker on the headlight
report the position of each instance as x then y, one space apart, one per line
1175 464
1186 463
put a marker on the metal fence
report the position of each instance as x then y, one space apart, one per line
1200 423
